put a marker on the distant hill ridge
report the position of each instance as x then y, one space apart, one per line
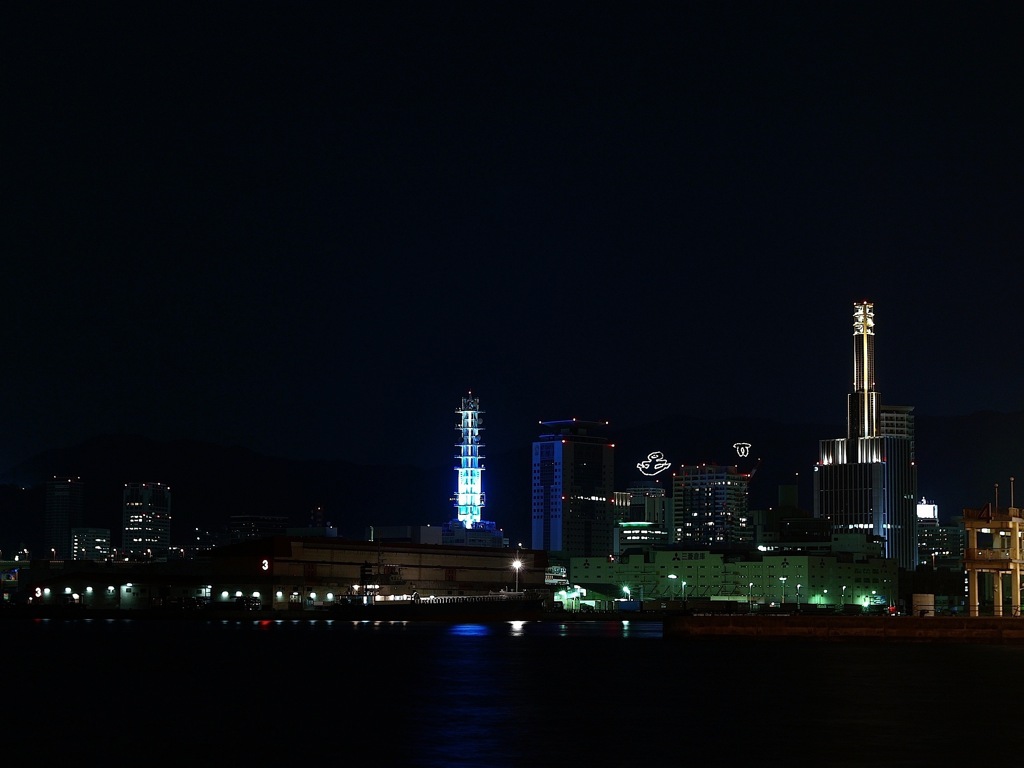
960 460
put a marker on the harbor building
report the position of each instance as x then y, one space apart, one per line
847 571
289 574
994 559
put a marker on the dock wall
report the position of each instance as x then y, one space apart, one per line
882 628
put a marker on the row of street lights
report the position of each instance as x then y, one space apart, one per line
750 588
682 593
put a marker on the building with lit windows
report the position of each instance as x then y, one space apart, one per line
710 506
938 545
146 531
243 527
573 477
867 481
90 543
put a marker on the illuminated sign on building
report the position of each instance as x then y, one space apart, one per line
742 449
654 464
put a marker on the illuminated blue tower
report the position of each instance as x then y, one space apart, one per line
469 495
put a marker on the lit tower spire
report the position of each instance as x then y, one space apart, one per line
862 403
469 498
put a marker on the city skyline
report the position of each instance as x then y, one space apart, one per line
306 232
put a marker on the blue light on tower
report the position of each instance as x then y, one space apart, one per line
469 498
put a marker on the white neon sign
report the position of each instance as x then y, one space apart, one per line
654 464
742 449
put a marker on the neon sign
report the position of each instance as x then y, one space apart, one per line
742 449
654 464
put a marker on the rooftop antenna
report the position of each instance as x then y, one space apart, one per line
997 499
1011 490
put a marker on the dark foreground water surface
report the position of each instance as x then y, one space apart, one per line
504 694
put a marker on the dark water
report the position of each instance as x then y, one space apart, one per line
502 694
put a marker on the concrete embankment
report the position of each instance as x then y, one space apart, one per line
939 629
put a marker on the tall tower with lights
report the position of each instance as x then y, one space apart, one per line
468 527
862 402
867 481
469 494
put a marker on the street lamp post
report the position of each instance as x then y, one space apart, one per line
684 593
672 576
516 565
844 595
798 596
783 580
750 593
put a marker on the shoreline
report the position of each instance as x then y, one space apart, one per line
905 629
675 626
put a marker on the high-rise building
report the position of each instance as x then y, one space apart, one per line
710 505
642 502
641 512
64 508
867 481
468 528
938 545
146 533
573 513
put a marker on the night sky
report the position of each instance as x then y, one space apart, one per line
310 228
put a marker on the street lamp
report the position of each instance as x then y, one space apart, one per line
798 596
625 591
750 592
783 580
844 594
672 576
516 565
684 592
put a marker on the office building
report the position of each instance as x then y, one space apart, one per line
644 501
573 477
146 533
710 505
90 544
938 545
63 510
867 481
245 527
